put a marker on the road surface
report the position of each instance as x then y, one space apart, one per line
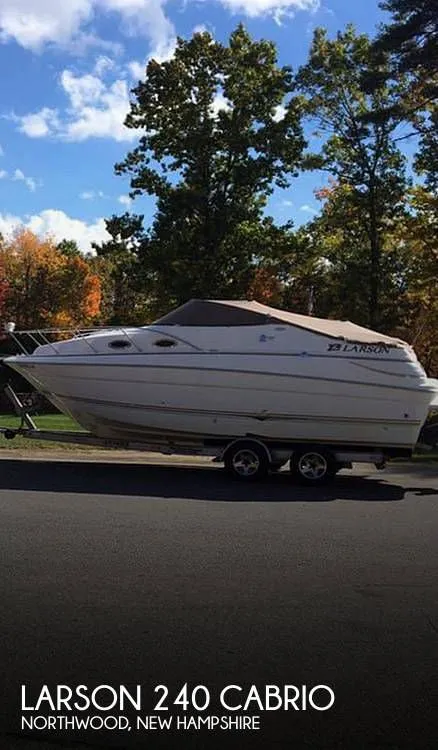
172 574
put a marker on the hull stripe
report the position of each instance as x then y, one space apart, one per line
261 417
23 367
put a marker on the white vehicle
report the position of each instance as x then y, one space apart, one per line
260 385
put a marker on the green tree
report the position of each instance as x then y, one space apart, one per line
119 269
361 155
416 237
219 127
411 37
411 42
4 284
426 162
69 248
269 250
339 243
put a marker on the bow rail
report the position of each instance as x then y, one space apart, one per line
27 340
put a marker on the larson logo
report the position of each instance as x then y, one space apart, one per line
360 348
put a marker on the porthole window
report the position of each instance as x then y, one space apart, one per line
119 344
165 343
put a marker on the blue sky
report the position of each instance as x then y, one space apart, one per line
68 66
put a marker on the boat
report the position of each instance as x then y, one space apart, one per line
221 370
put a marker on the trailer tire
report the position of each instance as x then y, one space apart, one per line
247 460
313 465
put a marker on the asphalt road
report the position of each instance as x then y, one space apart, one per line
159 574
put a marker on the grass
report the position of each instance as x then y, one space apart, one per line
44 422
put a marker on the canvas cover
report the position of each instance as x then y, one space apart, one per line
248 313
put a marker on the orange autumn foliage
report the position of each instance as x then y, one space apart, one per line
3 290
47 288
265 287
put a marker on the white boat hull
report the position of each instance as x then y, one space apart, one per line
224 396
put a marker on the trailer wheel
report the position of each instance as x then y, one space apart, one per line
247 460
313 465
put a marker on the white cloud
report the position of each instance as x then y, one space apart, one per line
279 113
8 224
199 29
161 52
35 23
89 195
1 151
164 51
58 225
146 17
39 124
308 209
220 104
82 90
287 203
103 65
137 70
84 42
95 109
19 176
275 8
125 200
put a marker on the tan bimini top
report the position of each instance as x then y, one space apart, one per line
204 313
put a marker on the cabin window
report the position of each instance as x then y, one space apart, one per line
165 343
119 344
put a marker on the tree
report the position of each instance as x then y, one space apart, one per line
3 285
219 128
123 278
46 288
411 37
339 237
269 250
426 161
69 248
76 292
286 268
409 263
411 41
362 156
416 236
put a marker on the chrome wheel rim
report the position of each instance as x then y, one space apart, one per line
312 466
246 463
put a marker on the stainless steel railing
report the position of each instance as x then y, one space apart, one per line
27 341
